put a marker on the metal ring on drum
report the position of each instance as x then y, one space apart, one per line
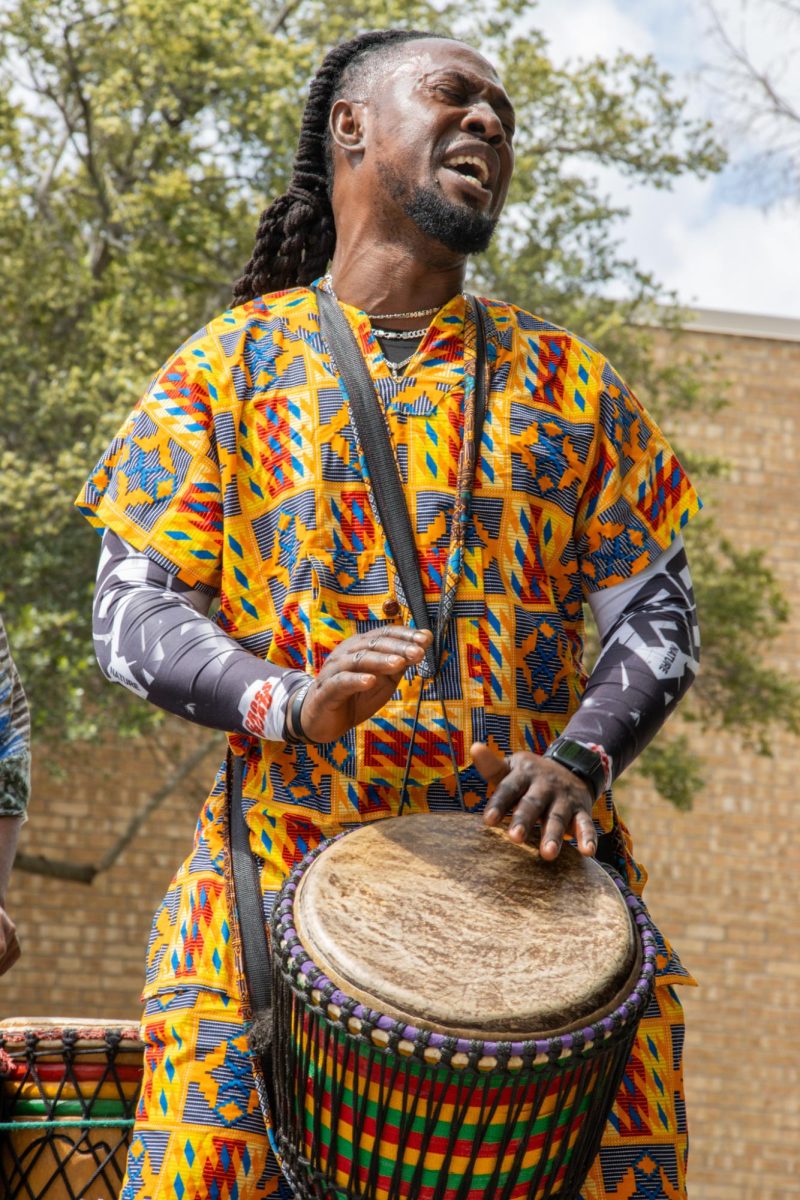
452 1013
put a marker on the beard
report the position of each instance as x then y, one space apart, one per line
457 226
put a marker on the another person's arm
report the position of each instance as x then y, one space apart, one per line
14 787
9 943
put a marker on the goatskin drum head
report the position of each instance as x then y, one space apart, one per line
446 923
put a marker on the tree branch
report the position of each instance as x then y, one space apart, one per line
778 104
283 16
43 190
40 864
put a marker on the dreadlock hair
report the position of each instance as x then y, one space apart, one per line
296 235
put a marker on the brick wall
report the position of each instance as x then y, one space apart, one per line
722 877
84 946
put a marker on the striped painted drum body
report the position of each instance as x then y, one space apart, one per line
452 1014
68 1091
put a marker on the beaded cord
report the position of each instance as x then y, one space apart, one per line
320 993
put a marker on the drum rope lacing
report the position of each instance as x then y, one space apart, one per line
53 1071
341 1009
335 1038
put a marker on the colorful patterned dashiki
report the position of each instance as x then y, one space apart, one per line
240 472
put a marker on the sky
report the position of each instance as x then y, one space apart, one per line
716 242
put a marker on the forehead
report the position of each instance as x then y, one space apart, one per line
417 61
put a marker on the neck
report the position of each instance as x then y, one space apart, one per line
384 276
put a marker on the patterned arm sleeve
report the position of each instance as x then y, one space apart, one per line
15 737
649 660
152 633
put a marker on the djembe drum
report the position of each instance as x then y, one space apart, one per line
68 1091
452 1013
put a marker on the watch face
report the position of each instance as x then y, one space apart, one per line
585 763
573 752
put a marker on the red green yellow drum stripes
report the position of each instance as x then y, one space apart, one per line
68 1091
369 1106
506 1127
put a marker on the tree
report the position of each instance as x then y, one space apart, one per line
762 101
140 139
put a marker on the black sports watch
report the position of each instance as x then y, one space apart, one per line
586 764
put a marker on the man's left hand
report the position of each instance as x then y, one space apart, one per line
537 791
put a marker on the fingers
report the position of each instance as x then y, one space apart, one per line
537 792
493 767
358 677
386 652
585 833
9 943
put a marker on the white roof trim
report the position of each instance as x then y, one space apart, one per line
737 324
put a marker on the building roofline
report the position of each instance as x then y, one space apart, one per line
738 324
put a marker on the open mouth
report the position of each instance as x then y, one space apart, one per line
472 176
470 167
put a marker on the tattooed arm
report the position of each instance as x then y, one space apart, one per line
649 659
152 633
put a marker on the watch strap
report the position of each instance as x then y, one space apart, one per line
587 764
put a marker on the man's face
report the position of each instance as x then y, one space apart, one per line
439 136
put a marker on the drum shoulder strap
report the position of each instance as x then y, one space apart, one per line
257 960
373 437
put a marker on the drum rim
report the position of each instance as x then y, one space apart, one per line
93 1040
320 991
350 987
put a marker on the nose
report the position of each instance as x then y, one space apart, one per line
482 120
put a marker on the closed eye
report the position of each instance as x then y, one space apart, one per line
458 92
457 95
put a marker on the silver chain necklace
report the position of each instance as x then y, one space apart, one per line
399 335
396 368
399 316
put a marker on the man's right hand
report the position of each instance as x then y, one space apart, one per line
358 678
9 943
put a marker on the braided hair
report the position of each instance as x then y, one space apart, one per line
296 235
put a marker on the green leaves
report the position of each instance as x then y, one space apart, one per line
139 141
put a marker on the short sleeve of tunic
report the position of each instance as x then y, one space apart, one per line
158 484
637 498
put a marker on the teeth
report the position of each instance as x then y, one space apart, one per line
469 160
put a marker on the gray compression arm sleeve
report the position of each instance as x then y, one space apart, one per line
649 659
152 633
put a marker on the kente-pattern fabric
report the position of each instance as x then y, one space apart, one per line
200 1134
15 736
239 472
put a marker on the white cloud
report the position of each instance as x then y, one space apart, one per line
586 28
718 255
703 239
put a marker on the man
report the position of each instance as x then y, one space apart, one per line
15 771
239 478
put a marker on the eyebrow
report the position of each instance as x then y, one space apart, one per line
498 94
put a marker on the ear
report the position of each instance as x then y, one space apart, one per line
347 125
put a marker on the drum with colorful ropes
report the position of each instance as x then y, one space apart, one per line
452 1014
68 1092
